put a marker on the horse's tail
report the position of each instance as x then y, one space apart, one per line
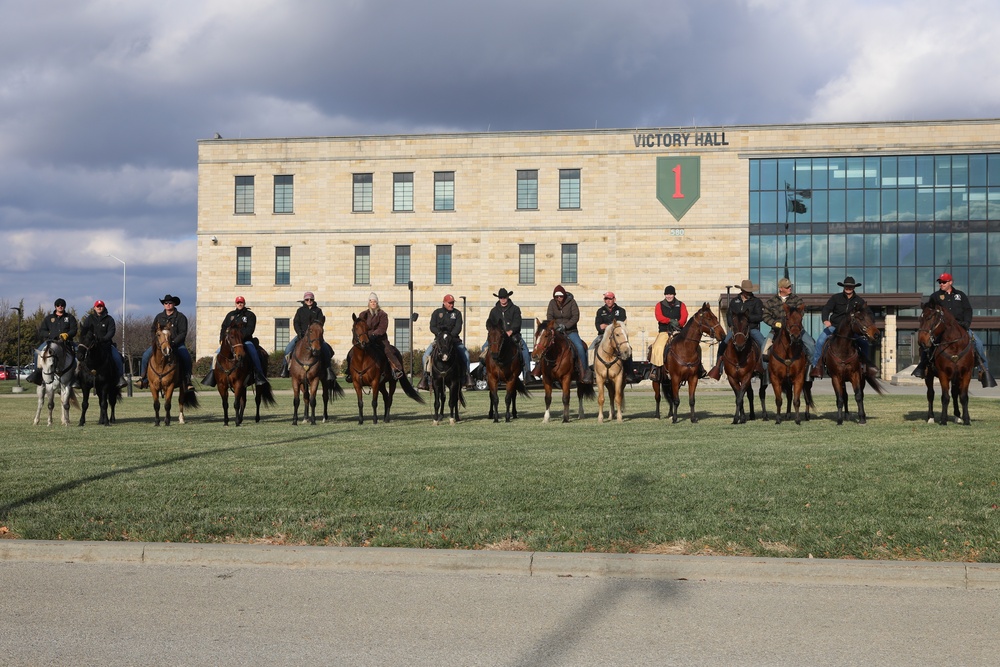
875 384
72 398
807 393
266 394
336 390
520 388
189 398
410 391
461 396
586 391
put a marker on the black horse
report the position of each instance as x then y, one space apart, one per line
97 371
447 372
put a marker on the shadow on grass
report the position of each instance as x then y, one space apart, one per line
5 510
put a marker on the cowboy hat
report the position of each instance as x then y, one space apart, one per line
503 294
747 286
176 300
849 282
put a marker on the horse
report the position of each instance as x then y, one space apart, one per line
96 370
305 367
609 368
682 363
233 369
740 361
368 368
165 374
58 365
503 364
844 363
447 372
789 366
554 351
952 358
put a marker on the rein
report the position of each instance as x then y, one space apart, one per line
611 341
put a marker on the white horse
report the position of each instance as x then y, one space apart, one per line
58 365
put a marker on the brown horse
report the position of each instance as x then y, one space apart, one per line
789 366
503 366
844 363
233 370
682 361
369 369
308 373
609 368
165 373
952 358
741 361
554 351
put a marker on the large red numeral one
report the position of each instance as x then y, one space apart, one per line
677 183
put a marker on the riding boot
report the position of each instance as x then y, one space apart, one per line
986 377
817 371
330 375
144 383
209 379
654 374
425 382
716 372
469 384
259 378
283 373
537 370
35 377
122 382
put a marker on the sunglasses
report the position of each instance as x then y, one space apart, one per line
608 298
308 300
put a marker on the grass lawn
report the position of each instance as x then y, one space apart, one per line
896 488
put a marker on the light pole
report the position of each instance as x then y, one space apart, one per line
20 315
124 350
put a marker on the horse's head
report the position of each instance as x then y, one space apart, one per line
740 328
616 337
862 322
708 323
545 335
792 325
234 341
444 346
494 340
162 336
314 339
933 324
359 331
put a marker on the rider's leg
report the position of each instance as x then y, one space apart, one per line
116 357
143 381
186 365
525 359
36 375
464 354
817 370
586 376
425 378
766 350
984 375
758 337
209 379
288 355
395 359
716 371
260 377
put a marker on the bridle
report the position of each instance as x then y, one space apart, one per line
617 339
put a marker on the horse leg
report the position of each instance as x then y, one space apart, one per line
859 398
565 396
239 403
167 404
361 404
656 396
692 384
955 393
548 398
753 413
312 388
495 403
600 381
84 404
224 395
964 397
945 399
376 388
620 394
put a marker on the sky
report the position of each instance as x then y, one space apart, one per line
102 102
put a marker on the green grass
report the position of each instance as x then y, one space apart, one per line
896 488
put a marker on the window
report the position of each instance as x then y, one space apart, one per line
243 266
283 265
528 334
402 264
444 191
569 188
443 265
402 191
401 334
244 195
569 263
362 193
527 189
283 190
362 264
281 333
526 264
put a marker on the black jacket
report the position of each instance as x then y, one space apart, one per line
447 321
957 304
247 318
607 315
839 305
305 316
508 319
103 326
753 308
179 322
53 325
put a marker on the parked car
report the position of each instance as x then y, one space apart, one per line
26 371
8 373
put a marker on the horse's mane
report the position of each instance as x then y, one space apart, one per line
609 328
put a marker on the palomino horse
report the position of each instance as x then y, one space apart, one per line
609 368
97 370
58 364
503 365
369 369
741 361
306 368
844 363
789 366
952 358
447 373
233 369
165 374
682 361
554 351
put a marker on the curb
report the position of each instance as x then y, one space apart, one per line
915 574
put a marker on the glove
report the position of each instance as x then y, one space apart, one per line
777 325
64 337
560 327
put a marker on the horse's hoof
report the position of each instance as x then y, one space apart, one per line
451 422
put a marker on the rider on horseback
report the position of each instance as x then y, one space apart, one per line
958 305
565 313
178 321
606 314
308 313
103 326
671 314
56 326
506 315
834 312
447 320
248 323
378 327
750 305
774 315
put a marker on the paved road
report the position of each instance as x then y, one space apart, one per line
128 604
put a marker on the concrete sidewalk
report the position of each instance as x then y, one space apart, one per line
979 576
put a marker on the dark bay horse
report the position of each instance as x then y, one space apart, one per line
165 374
234 372
952 360
503 366
609 368
369 369
682 361
447 373
844 363
554 351
97 371
308 373
741 361
789 366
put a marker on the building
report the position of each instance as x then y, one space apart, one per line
414 217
